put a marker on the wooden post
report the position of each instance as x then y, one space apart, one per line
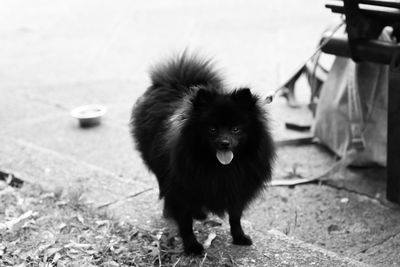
393 140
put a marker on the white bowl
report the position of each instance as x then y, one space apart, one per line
89 115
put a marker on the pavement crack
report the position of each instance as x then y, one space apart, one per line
380 242
125 198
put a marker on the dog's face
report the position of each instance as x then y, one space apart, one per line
224 121
225 141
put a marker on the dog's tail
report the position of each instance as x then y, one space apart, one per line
185 71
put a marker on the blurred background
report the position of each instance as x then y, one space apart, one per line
77 46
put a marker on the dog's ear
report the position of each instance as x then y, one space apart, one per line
203 96
244 97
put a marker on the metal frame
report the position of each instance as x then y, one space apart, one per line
364 23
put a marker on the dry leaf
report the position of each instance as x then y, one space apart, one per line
73 244
110 264
62 226
3 185
2 250
56 258
80 218
159 235
91 251
102 223
30 224
17 222
154 251
210 238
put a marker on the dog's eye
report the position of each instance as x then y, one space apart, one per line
212 129
236 130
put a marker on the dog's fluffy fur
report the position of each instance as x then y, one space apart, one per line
209 148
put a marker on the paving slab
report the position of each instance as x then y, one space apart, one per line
109 146
382 253
277 249
315 160
346 213
340 221
274 249
367 181
53 171
16 107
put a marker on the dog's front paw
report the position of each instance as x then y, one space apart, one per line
193 248
243 240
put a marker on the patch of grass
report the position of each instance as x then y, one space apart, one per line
39 228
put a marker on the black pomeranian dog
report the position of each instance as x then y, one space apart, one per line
209 148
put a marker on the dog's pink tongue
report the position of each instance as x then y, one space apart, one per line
224 157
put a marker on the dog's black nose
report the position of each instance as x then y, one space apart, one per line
224 144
